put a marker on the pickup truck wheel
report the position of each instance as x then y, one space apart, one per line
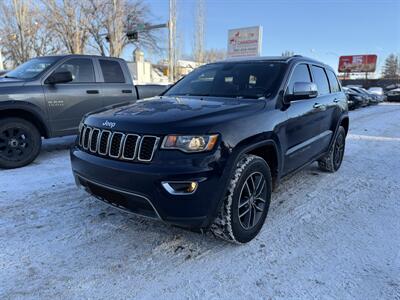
246 202
333 160
20 143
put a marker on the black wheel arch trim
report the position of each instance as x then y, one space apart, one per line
29 108
340 120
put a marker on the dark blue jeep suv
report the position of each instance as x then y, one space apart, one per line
209 151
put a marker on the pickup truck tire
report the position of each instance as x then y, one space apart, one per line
246 202
333 160
20 143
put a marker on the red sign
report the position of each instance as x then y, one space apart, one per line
357 63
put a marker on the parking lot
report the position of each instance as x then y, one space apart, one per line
326 235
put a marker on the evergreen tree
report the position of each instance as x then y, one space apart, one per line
391 68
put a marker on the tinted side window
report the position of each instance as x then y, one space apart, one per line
112 71
300 74
333 82
81 69
320 80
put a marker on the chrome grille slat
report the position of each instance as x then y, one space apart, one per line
94 140
118 145
128 137
86 137
141 156
108 134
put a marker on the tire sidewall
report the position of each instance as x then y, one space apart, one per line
341 134
242 235
30 129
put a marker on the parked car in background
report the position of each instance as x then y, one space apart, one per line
354 100
48 96
207 154
362 98
393 95
378 92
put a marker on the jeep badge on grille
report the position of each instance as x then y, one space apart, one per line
109 124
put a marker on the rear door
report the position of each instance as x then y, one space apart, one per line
68 102
304 135
117 85
327 98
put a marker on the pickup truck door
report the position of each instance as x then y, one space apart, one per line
305 136
117 84
68 102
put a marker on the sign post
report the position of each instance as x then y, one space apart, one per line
245 41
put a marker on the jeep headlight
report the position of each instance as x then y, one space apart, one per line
190 143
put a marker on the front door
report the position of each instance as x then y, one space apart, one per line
68 102
304 134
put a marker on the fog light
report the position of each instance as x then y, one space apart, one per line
180 187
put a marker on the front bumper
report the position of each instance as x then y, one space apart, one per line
137 187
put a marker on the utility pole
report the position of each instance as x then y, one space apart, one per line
171 40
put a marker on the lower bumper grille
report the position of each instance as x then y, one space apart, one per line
123 200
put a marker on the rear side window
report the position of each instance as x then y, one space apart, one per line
300 74
81 69
320 80
112 71
333 82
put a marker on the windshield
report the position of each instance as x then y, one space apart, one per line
254 80
31 68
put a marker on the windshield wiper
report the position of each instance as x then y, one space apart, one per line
13 77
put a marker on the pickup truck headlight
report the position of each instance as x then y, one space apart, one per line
190 143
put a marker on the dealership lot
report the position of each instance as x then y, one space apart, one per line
326 235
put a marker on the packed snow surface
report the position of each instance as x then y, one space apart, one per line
327 236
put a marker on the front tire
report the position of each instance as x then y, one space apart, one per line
246 202
20 143
333 160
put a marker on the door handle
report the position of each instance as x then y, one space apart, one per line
336 100
127 91
319 105
92 92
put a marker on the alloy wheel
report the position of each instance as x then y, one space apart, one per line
252 200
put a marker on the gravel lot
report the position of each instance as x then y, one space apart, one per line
326 236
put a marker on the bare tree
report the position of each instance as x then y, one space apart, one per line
24 32
111 19
213 55
287 53
198 49
68 21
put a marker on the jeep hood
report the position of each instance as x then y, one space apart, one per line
180 114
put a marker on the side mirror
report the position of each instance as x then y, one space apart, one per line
59 77
303 90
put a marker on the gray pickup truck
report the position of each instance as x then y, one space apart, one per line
48 96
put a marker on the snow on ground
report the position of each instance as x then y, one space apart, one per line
327 236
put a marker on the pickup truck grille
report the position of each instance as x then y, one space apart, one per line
118 145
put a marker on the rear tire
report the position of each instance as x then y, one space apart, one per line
20 143
333 160
246 202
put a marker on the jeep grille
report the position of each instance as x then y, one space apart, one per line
118 145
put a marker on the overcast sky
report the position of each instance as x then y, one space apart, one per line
321 29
